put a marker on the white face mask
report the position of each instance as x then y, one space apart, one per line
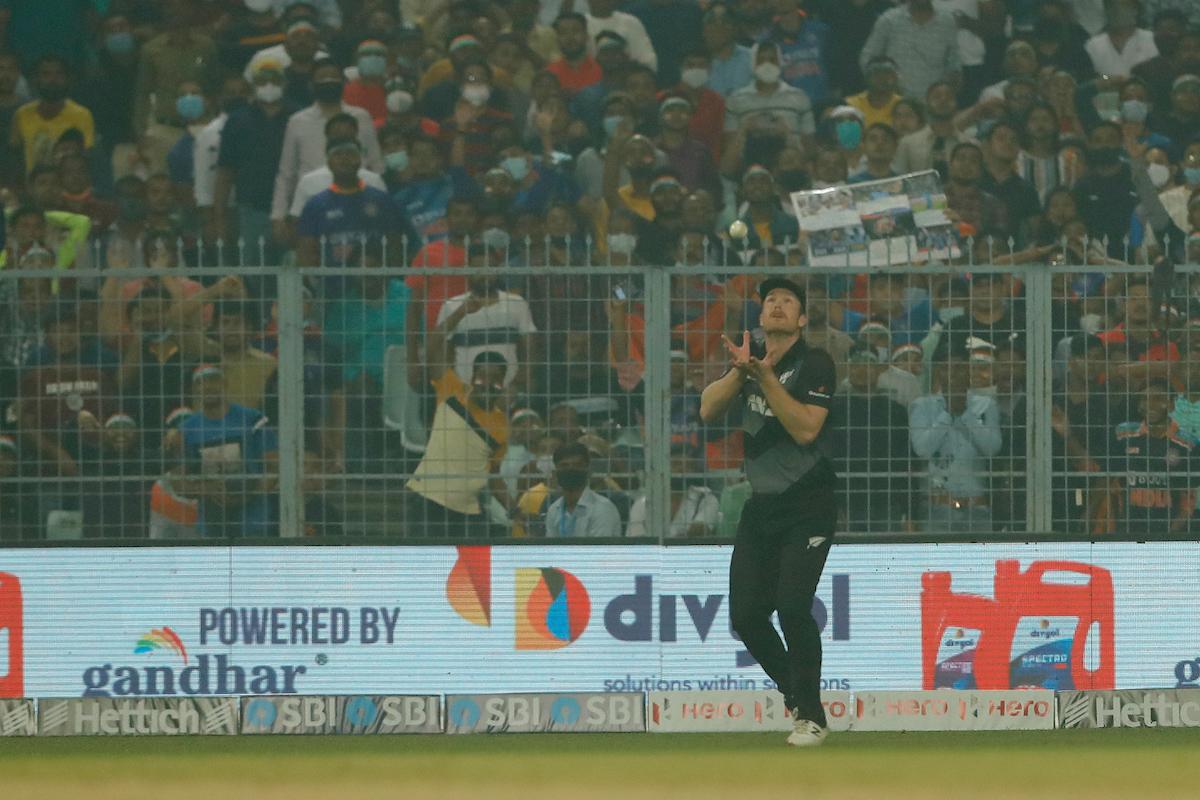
269 92
259 6
476 93
1159 174
767 72
399 101
695 77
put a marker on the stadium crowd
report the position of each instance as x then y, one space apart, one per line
535 141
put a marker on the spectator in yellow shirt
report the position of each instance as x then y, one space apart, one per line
39 123
880 98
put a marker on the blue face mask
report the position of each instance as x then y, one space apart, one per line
516 166
397 161
372 66
1192 175
190 107
849 134
610 126
1135 110
119 43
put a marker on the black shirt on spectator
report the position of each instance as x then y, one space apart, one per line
1106 204
251 145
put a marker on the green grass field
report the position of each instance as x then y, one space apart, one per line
1049 765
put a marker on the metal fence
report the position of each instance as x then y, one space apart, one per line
550 391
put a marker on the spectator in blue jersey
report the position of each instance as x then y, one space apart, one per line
424 195
348 213
531 184
226 452
1151 468
803 43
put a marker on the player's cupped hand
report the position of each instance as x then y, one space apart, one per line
739 355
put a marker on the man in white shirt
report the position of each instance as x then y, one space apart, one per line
579 511
605 17
301 41
1122 45
503 324
304 139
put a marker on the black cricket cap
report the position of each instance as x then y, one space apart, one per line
780 282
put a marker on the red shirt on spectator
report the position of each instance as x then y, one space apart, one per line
370 97
1157 349
438 288
574 79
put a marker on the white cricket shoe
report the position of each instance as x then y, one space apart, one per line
806 733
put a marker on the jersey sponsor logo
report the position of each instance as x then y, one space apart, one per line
758 404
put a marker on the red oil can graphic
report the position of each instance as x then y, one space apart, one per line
1033 634
12 634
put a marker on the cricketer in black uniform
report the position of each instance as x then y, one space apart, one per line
785 389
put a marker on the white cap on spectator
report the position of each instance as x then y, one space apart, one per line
847 111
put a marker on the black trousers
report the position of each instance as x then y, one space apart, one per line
782 543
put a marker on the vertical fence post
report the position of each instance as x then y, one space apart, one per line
658 401
291 401
1038 393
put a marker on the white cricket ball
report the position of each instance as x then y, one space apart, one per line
738 229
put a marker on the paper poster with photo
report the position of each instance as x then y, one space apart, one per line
890 221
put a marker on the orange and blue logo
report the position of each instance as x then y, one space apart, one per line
161 639
552 608
552 605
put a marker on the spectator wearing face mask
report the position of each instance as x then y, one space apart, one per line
461 52
769 96
295 58
368 90
248 160
474 109
181 54
1175 198
579 511
109 85
304 140
804 50
191 107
